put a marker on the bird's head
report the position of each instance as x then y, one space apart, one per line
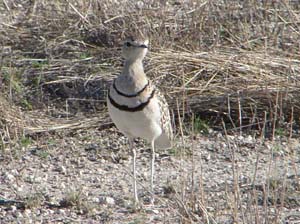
135 48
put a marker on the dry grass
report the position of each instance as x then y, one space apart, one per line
230 60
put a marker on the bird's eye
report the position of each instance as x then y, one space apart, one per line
128 44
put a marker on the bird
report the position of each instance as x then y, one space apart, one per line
137 108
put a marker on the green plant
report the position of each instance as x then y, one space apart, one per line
51 142
280 132
33 200
16 84
5 74
43 154
40 63
76 199
12 78
84 55
173 151
72 199
26 105
37 80
25 141
200 126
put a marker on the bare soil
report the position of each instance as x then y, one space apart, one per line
84 176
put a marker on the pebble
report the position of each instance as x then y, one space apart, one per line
105 176
20 215
96 200
106 200
207 157
62 211
10 177
13 208
249 139
15 172
232 137
110 201
27 212
19 188
240 138
155 211
210 209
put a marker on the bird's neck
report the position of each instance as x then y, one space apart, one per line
134 70
133 76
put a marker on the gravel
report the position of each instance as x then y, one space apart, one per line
85 177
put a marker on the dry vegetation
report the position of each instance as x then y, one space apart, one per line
226 65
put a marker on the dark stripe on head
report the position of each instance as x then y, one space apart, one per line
131 109
130 95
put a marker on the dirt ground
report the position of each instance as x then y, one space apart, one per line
84 177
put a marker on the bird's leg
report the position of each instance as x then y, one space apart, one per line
136 199
152 170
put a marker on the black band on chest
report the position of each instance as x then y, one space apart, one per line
131 109
130 95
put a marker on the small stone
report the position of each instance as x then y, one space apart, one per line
63 170
27 212
207 157
155 211
110 201
96 200
106 200
219 135
44 166
15 172
18 188
102 161
13 208
249 139
10 177
210 209
231 137
62 185
240 137
62 211
19 215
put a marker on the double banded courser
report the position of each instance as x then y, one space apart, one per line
137 107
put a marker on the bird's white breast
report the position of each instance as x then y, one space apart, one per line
144 124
